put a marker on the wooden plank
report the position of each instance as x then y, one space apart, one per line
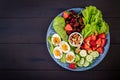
36 57
23 30
59 75
45 8
33 30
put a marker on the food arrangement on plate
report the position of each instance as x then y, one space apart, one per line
77 38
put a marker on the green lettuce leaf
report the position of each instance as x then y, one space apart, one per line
63 59
58 25
93 20
50 43
104 28
88 30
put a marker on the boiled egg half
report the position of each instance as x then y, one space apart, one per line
70 57
57 52
56 39
64 46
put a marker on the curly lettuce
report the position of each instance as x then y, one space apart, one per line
93 20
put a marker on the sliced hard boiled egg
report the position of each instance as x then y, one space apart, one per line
70 57
64 46
56 39
57 52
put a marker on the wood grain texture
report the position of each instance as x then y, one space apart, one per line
34 30
59 75
23 51
36 57
48 8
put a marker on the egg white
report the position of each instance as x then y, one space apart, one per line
57 48
57 36
71 54
62 43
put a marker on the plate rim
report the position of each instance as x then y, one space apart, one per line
84 68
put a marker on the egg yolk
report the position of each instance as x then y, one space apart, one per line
57 53
56 40
69 57
64 47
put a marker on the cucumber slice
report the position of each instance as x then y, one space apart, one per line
82 61
94 54
80 65
89 58
83 53
86 64
77 58
63 60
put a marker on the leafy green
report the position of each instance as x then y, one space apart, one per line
104 28
51 45
88 30
59 21
63 59
77 58
92 18
58 25
72 48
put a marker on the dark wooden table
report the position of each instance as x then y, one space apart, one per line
23 51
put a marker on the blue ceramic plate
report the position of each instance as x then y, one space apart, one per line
65 65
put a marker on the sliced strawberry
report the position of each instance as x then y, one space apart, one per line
89 50
103 42
87 39
102 35
72 66
87 47
93 43
100 50
66 14
98 42
68 27
94 48
93 37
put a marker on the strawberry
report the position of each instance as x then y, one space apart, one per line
68 27
93 37
103 42
89 50
66 14
93 43
94 48
72 65
87 39
102 35
87 47
98 42
100 50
